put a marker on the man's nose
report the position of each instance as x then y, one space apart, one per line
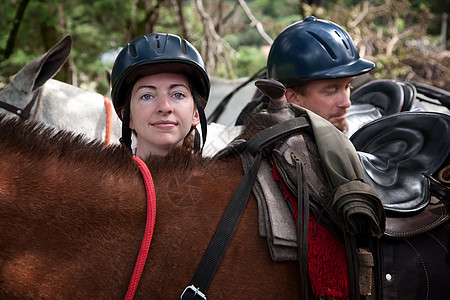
344 100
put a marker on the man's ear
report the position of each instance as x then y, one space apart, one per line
195 118
291 96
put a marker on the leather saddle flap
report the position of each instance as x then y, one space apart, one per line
399 153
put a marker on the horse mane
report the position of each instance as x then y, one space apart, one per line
179 158
41 141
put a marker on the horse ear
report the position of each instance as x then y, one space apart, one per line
44 67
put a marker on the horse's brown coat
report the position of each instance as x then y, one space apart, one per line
72 216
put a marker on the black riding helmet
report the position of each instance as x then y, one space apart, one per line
172 54
314 49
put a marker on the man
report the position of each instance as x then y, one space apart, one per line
317 60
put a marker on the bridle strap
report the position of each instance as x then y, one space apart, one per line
23 113
149 226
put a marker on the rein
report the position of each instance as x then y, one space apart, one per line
149 226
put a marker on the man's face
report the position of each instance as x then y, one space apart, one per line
329 98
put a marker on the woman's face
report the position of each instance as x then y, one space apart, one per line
162 112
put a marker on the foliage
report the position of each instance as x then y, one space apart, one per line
399 35
250 60
395 37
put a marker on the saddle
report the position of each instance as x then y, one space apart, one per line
406 160
399 154
332 181
379 98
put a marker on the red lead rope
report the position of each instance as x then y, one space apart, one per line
149 226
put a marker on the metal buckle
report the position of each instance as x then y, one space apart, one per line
195 290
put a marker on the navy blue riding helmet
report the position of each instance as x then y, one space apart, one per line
314 49
174 55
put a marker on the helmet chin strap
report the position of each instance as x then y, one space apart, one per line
126 131
201 113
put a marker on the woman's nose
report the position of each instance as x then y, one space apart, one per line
164 105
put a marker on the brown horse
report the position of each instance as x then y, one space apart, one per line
72 217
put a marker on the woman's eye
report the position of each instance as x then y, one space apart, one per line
178 95
146 97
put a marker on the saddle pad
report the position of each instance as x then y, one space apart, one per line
399 153
276 221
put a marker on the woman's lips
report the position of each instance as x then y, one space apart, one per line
166 124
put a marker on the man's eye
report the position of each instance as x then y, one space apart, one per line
146 97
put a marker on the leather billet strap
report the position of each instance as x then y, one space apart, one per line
302 227
216 249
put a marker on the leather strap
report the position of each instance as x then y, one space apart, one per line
302 228
353 265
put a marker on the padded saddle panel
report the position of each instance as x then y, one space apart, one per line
399 153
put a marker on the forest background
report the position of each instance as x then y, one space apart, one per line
406 39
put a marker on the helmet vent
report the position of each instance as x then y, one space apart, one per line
158 43
324 44
343 40
183 46
133 50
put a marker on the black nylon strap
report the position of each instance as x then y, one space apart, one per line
216 249
219 242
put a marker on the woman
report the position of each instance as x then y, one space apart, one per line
159 90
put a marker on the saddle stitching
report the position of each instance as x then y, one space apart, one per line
439 242
424 267
443 217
